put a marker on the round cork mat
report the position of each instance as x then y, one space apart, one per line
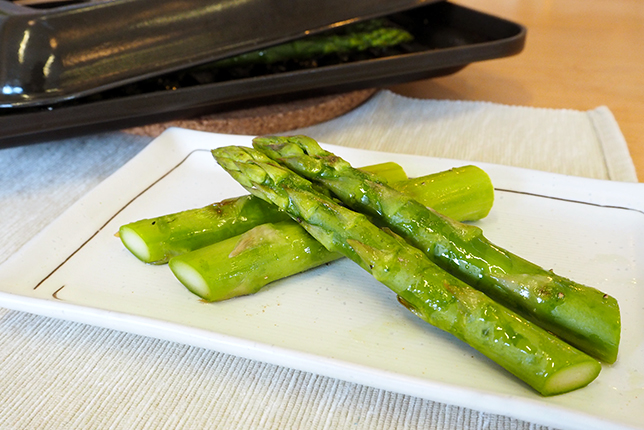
267 119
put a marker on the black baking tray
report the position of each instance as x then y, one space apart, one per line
448 37
53 52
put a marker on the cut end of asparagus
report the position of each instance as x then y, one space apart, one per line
135 244
190 277
571 378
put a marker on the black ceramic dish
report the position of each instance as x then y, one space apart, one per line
447 38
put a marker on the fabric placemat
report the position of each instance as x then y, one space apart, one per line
56 374
578 143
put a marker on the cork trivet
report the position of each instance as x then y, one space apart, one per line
267 119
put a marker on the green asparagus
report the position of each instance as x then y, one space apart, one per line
158 239
581 315
357 37
463 193
540 359
244 264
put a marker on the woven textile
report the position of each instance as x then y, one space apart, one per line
62 375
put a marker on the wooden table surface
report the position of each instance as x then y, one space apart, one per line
579 54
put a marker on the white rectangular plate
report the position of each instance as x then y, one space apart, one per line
336 320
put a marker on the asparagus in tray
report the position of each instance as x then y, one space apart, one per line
581 315
540 359
376 33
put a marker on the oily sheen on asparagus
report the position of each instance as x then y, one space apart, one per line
583 316
465 193
245 263
540 359
156 240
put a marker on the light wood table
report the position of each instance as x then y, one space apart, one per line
579 54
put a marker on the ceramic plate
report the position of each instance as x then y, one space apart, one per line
336 320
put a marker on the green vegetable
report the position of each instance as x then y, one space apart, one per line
244 264
358 37
581 315
463 193
158 239
543 361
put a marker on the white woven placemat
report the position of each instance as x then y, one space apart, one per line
587 144
61 375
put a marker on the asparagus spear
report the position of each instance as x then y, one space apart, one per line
158 239
540 359
581 315
463 193
244 264
358 37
